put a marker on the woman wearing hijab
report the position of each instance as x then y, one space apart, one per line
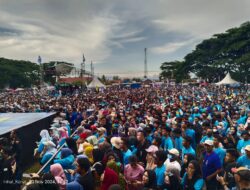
63 134
97 155
92 140
45 137
88 150
117 169
186 159
192 179
71 143
48 151
57 171
172 179
149 180
108 178
44 134
67 159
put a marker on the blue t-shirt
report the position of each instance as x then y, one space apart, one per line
189 150
211 163
221 152
198 185
168 144
242 120
126 156
160 174
244 161
191 133
178 143
44 160
242 144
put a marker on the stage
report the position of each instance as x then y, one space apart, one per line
11 121
28 127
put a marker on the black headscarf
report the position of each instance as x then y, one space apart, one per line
151 179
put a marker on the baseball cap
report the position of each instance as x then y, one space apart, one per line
102 129
209 142
93 127
152 149
243 172
247 148
174 152
116 142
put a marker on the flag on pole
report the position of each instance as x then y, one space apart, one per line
39 60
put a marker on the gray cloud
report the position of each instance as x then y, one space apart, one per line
111 31
9 32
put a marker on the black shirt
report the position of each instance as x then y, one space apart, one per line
229 176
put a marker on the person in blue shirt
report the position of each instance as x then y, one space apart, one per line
221 152
244 160
211 166
185 126
160 158
196 113
242 119
178 140
192 179
48 151
67 159
187 148
167 142
242 143
101 134
65 123
125 151
208 136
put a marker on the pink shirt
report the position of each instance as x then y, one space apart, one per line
132 174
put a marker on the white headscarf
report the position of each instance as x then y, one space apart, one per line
50 147
45 135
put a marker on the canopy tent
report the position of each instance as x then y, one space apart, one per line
228 80
96 83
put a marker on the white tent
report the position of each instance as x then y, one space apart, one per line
227 80
96 83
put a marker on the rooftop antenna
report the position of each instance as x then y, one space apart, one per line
82 66
39 60
92 69
145 64
82 69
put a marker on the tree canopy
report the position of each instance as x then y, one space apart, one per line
18 73
214 57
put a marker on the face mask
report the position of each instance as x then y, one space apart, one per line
209 134
170 156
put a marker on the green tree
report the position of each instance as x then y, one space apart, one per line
116 78
103 79
173 70
18 73
214 57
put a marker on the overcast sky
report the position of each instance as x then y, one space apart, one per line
113 33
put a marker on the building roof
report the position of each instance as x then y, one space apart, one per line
71 80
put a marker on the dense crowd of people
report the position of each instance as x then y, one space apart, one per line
174 137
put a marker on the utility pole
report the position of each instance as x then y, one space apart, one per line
82 66
39 60
92 69
82 70
145 64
